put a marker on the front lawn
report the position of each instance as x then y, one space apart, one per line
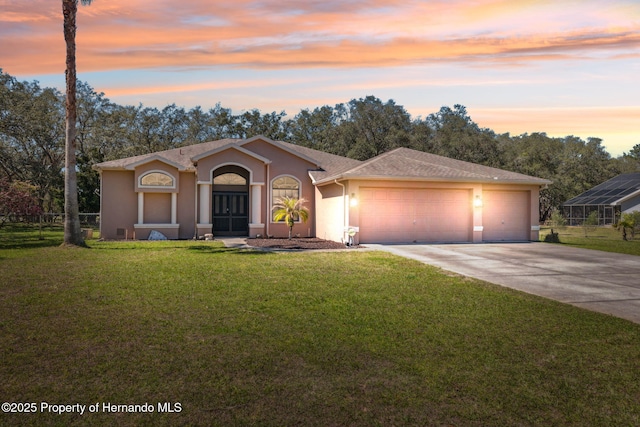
237 337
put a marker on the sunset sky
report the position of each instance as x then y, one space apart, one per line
559 66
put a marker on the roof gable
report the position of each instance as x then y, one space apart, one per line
153 158
230 146
281 146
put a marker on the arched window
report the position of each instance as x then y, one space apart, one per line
229 179
156 179
285 186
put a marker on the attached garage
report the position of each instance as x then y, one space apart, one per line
391 215
407 196
506 216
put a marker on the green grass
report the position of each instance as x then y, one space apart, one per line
606 239
312 339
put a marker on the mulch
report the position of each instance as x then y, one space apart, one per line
295 243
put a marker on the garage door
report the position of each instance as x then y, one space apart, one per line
506 216
415 215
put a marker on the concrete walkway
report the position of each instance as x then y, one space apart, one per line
599 281
234 242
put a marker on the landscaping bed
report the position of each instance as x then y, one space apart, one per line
295 243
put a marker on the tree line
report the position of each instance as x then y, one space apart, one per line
32 139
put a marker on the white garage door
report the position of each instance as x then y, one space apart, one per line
415 215
506 216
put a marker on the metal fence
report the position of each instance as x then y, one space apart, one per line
86 219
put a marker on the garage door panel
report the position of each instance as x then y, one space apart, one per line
396 195
408 215
506 215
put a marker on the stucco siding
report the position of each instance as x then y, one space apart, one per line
186 205
157 208
119 206
330 213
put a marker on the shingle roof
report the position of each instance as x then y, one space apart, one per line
178 156
404 163
609 192
401 163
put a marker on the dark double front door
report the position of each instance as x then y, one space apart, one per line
230 213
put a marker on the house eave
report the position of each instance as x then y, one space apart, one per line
99 168
347 177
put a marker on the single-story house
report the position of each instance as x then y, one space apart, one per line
228 187
610 199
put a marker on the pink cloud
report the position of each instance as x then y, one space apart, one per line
122 34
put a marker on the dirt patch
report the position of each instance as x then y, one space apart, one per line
296 243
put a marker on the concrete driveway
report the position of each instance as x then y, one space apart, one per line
594 280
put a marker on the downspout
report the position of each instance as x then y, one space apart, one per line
195 213
101 193
267 205
345 219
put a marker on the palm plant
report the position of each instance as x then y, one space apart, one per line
290 209
72 231
629 222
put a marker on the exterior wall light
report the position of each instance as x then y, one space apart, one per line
352 200
477 202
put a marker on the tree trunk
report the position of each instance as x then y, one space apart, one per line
72 230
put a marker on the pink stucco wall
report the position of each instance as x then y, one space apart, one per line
330 212
187 205
119 203
157 208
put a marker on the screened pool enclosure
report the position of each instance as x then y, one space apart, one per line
609 199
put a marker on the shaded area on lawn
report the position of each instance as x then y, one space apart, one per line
215 248
25 236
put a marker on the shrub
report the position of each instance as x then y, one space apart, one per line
18 200
591 222
552 237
